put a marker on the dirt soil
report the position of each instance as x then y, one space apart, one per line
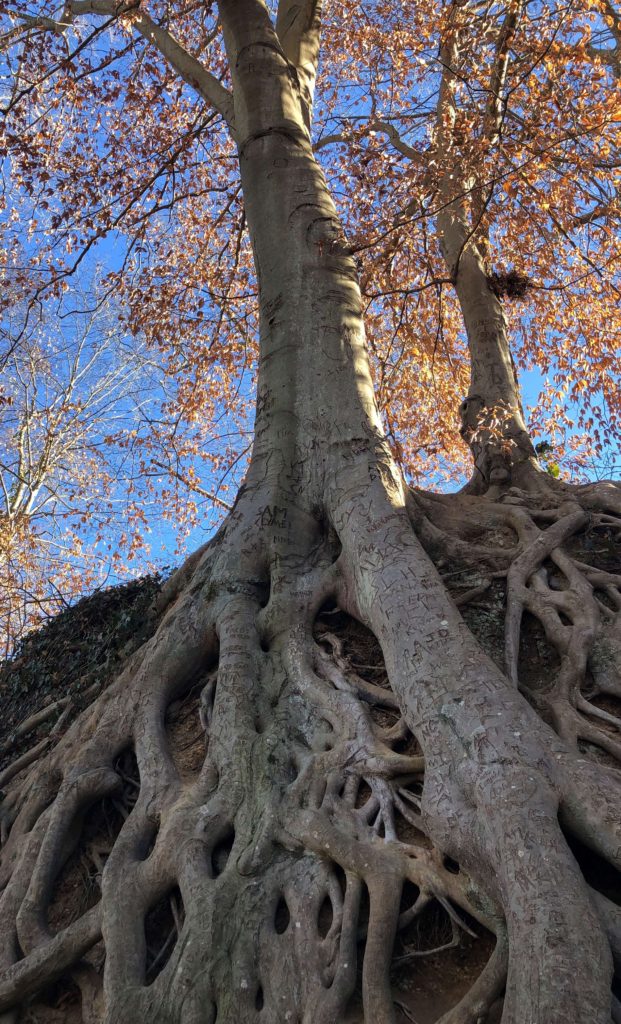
75 654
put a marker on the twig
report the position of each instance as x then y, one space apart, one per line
405 1011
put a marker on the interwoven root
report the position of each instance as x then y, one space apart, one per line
273 817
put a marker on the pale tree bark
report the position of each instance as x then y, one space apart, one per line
284 855
492 415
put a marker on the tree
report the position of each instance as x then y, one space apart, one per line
89 454
65 390
367 759
522 219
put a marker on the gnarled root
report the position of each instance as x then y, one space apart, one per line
341 795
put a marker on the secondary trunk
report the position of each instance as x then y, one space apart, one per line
491 414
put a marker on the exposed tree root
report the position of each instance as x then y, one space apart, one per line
337 775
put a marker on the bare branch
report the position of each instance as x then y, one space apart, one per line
193 486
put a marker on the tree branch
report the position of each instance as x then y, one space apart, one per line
187 67
192 486
497 101
376 125
298 27
611 56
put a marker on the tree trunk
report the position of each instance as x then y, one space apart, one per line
491 414
335 803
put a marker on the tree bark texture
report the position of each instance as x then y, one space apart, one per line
491 414
335 803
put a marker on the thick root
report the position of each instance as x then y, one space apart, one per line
345 789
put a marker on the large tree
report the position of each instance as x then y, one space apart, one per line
68 395
380 775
